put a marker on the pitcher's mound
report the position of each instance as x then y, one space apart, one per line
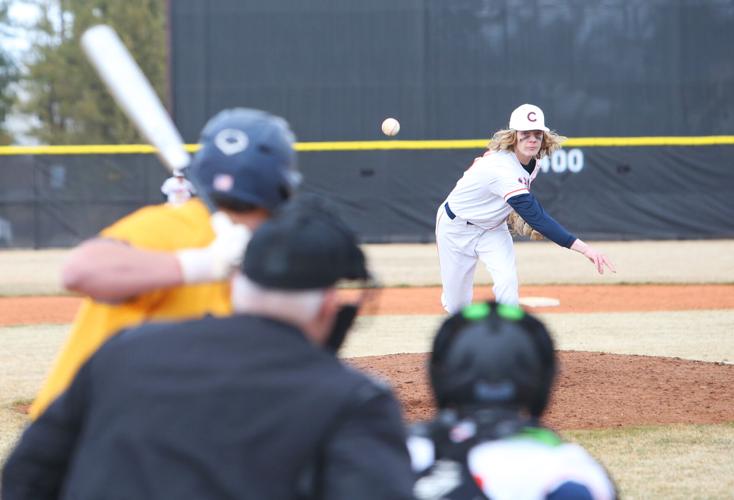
594 390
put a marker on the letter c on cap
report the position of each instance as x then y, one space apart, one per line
531 116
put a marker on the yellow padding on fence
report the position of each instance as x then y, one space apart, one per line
94 149
587 142
709 140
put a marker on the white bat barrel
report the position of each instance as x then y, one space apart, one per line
134 94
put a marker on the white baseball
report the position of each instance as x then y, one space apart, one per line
390 127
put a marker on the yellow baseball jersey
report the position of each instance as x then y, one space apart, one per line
158 227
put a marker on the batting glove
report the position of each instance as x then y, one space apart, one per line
217 261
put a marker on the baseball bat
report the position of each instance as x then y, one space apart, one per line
135 96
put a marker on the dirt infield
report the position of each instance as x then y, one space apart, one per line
595 390
425 300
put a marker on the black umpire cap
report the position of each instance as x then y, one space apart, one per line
305 246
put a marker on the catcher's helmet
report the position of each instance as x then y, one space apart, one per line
246 159
492 355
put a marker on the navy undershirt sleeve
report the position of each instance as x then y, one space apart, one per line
529 209
570 490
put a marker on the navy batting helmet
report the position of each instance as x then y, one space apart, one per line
246 159
493 355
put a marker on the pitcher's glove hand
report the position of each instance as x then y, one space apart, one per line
518 226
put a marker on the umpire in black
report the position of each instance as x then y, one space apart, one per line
255 405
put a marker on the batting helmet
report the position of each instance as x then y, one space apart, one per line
492 355
247 159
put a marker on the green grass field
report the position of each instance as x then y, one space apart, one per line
678 461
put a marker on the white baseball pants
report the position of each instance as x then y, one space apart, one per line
460 245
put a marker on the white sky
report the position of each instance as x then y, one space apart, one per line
17 41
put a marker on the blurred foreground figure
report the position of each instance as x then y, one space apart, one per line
173 262
254 405
492 369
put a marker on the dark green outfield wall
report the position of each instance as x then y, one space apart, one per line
447 70
455 70
610 193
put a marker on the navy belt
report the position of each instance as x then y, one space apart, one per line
451 214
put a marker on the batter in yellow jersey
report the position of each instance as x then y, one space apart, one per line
159 227
172 262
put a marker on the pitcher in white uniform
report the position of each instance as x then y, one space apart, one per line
492 368
471 222
178 189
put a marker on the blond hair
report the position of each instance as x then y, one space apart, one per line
505 140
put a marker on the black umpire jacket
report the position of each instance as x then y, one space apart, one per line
237 408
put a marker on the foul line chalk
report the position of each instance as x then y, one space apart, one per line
539 302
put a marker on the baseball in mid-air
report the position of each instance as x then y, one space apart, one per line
390 126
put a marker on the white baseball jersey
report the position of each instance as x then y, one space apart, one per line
516 468
177 189
470 225
481 195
